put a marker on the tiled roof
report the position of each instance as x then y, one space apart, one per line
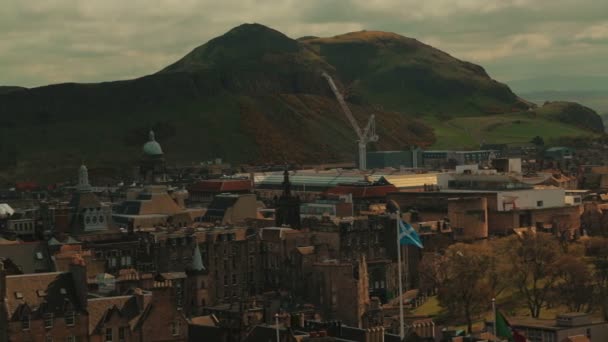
53 290
100 308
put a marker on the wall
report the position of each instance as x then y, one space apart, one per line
529 199
468 218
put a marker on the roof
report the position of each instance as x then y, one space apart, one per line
173 275
306 250
209 320
128 307
366 191
53 289
221 185
152 147
85 200
30 257
219 205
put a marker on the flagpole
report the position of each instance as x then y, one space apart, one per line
495 320
407 267
401 332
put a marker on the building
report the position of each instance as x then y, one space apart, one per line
442 158
574 326
86 212
152 168
395 159
204 191
226 209
340 289
45 306
153 206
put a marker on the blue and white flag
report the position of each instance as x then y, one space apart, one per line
408 235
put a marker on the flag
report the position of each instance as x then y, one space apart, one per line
408 235
504 329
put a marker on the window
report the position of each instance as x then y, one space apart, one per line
39 256
225 280
48 320
175 328
234 279
69 318
71 338
108 334
539 203
121 334
25 322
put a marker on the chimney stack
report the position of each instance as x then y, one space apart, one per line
78 269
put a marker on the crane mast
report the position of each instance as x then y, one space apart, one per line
365 136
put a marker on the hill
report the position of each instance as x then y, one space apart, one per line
404 74
251 95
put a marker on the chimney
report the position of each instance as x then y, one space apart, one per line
2 284
139 297
78 269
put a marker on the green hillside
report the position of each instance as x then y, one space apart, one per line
254 95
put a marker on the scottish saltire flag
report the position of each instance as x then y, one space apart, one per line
408 235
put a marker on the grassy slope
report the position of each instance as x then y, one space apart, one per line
470 132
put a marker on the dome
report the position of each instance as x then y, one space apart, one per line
152 147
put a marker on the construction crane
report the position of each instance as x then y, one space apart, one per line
368 134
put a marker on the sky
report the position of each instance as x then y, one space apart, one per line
52 41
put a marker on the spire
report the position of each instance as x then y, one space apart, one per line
151 136
197 260
286 184
83 179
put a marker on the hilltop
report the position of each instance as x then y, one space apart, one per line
256 95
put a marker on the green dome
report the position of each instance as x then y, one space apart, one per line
152 147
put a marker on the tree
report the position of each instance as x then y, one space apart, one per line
574 286
596 249
534 258
464 288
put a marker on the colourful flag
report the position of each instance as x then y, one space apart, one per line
408 235
504 329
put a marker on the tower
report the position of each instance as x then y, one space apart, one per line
152 165
287 206
83 179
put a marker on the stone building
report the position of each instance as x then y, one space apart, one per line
340 289
44 306
86 212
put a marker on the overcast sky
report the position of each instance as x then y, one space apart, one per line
51 41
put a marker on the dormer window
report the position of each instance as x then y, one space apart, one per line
41 293
48 320
19 295
70 318
25 322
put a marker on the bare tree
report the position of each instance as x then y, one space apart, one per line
534 258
